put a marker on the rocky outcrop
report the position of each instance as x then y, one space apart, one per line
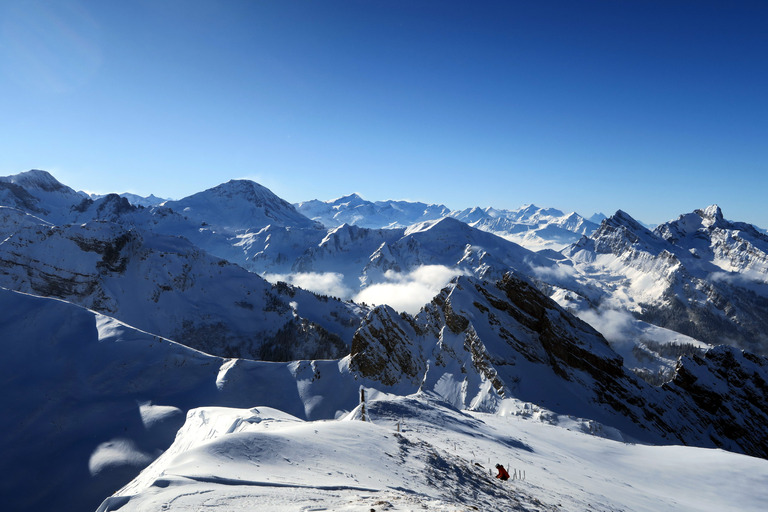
385 349
479 340
725 392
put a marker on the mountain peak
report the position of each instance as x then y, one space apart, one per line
353 198
444 224
622 218
36 179
711 215
239 205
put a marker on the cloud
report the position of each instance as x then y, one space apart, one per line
410 291
618 327
324 283
559 272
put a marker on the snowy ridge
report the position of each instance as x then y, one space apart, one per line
136 387
489 367
700 275
477 343
98 400
167 286
239 205
355 210
530 226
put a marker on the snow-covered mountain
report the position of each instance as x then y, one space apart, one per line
98 401
478 342
38 193
92 291
530 226
167 286
699 275
239 205
370 256
355 210
135 199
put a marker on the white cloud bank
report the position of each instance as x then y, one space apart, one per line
618 327
410 291
324 283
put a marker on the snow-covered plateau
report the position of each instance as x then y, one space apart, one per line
232 351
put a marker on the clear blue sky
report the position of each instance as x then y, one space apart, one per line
653 107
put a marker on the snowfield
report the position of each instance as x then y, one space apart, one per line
418 453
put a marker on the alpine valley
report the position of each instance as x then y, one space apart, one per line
232 351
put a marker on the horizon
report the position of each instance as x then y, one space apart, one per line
652 108
587 216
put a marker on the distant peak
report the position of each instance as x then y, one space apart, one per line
443 224
622 218
712 214
353 199
36 178
241 183
244 188
597 218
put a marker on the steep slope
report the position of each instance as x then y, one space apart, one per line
38 193
727 395
479 342
89 402
700 275
166 286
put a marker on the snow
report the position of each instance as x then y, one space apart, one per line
418 453
90 401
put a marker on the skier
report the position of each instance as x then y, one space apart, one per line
502 472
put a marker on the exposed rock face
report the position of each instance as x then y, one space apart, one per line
385 348
726 391
478 342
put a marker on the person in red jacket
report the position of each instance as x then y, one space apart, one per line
502 472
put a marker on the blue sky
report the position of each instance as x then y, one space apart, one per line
653 107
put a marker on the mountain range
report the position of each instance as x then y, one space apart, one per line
121 316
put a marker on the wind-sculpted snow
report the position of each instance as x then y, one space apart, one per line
418 453
90 401
93 401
